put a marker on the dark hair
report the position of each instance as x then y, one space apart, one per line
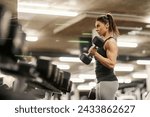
109 19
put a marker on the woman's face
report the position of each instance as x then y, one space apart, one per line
101 28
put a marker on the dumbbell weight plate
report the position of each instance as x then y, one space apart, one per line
44 67
85 58
56 77
65 81
69 86
59 80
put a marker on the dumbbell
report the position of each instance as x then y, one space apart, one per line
56 77
5 17
47 70
58 80
65 84
44 67
27 70
87 57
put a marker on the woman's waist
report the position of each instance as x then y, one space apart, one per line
104 74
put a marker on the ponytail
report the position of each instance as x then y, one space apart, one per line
112 25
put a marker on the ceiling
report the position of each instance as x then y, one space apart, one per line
59 35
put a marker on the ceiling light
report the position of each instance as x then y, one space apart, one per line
147 26
78 41
124 79
84 87
31 38
140 75
133 32
72 59
65 67
77 80
127 81
127 44
143 62
130 28
69 59
147 19
124 67
92 84
47 11
33 4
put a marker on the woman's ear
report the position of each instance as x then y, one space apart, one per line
107 25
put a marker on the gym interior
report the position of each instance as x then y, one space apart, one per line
41 42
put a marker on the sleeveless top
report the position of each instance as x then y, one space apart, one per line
103 73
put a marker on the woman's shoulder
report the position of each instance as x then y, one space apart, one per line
110 42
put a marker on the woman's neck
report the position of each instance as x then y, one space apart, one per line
108 34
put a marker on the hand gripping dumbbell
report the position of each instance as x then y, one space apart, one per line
87 57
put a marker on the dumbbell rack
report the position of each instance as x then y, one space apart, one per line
40 83
10 35
30 80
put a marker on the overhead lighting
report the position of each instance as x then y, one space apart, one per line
87 76
43 8
147 19
33 4
140 75
127 44
92 84
147 26
69 59
78 41
124 67
87 34
77 80
84 87
143 62
47 11
32 38
130 28
65 67
124 80
134 32
72 59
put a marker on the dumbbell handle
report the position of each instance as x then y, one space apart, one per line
87 58
97 42
89 54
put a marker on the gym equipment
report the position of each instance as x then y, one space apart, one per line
92 94
65 83
44 75
5 17
53 75
16 37
15 40
87 57
43 66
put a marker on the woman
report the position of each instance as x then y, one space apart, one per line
106 57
